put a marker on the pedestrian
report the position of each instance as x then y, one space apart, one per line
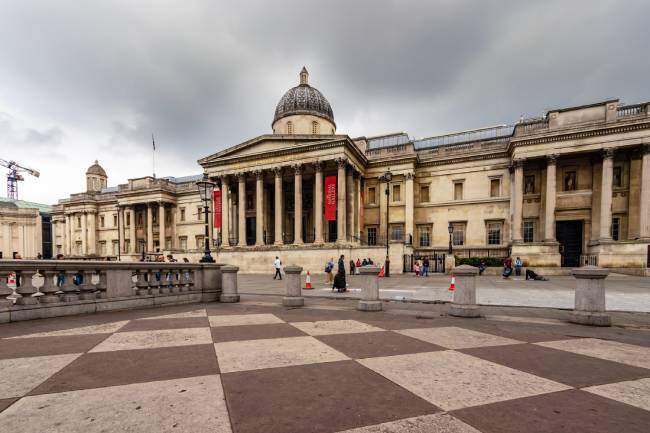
507 268
277 264
518 267
532 275
425 267
329 267
339 279
364 262
416 268
358 265
352 266
481 267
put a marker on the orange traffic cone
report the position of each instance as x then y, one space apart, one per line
452 286
381 273
308 282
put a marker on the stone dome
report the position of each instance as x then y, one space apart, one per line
96 169
304 99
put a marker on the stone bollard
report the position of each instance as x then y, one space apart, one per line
464 302
229 284
293 297
590 297
370 289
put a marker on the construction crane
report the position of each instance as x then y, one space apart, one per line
14 176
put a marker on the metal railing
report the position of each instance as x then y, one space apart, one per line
436 262
588 260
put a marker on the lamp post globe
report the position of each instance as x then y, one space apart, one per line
206 187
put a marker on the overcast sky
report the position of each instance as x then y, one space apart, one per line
86 80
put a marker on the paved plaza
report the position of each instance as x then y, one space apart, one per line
256 367
624 292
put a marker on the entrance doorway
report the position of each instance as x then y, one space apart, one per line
331 231
569 235
250 230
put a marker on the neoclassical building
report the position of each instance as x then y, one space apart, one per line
569 188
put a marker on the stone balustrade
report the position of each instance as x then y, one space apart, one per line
293 296
464 302
590 307
370 289
50 288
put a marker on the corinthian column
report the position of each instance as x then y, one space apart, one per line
132 230
644 207
277 171
340 198
518 200
409 214
297 205
606 195
549 208
349 204
84 235
318 202
149 228
241 201
91 227
225 212
161 227
259 207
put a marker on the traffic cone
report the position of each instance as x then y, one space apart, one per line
308 282
381 273
452 286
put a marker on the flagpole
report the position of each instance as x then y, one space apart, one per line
153 155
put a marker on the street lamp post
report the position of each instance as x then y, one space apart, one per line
451 230
206 186
387 177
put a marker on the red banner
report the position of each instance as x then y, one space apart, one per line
330 198
216 206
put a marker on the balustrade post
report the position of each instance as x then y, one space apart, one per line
86 287
464 302
49 289
370 289
154 282
141 283
165 287
229 284
293 297
176 284
102 285
69 289
590 297
26 289
4 292
187 280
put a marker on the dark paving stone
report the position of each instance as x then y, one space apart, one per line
101 369
326 397
375 344
315 315
41 346
408 322
254 332
572 369
528 332
153 324
6 402
560 412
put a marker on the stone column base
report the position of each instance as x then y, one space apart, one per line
227 298
293 301
369 306
49 299
591 318
464 310
26 300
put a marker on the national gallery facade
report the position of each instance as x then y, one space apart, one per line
563 190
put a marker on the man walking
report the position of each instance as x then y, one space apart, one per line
277 264
425 267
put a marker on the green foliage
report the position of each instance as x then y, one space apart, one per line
475 261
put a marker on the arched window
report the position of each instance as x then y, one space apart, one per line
289 127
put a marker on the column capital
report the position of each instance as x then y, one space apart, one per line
241 176
518 163
552 159
297 168
318 166
645 149
277 171
608 153
341 162
409 175
259 174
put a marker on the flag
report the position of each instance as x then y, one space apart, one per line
153 142
330 198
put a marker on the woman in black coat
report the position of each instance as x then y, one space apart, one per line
339 278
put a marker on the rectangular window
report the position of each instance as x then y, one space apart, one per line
397 196
372 235
424 236
128 220
78 248
199 242
102 248
198 212
101 221
529 231
182 243
495 187
494 233
168 243
127 245
396 232
182 218
618 177
458 190
78 222
458 233
570 181
424 194
616 228
529 184
372 195
154 217
116 248
114 220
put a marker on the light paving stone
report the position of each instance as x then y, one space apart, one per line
329 327
104 328
632 392
274 352
194 404
18 376
610 350
153 339
453 380
537 320
244 319
195 313
457 338
438 423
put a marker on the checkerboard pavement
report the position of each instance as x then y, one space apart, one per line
251 368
